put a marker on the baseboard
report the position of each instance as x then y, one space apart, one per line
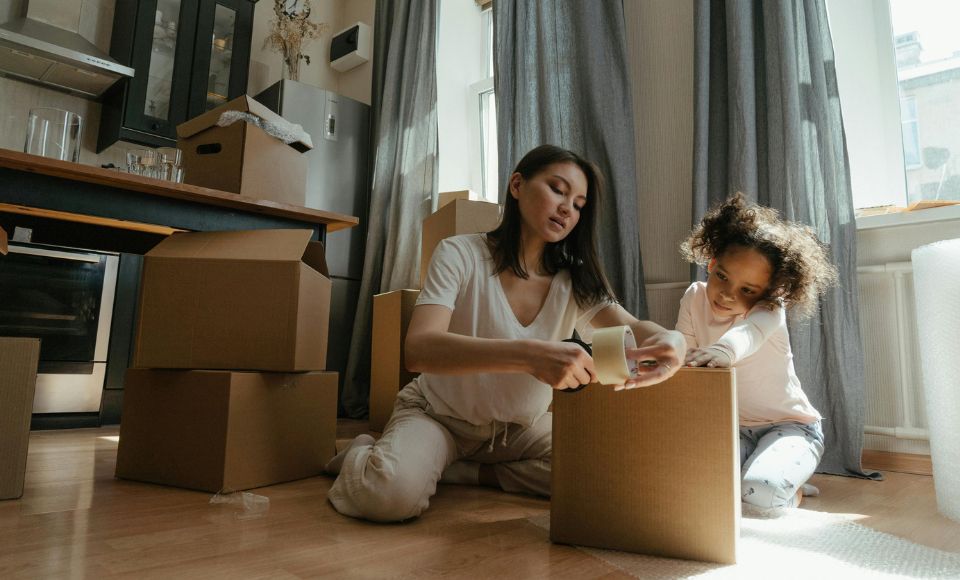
899 462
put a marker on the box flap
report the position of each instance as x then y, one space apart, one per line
315 256
243 103
277 245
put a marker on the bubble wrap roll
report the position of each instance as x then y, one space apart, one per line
936 275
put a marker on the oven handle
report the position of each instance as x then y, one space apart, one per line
92 258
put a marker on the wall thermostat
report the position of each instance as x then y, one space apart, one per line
351 47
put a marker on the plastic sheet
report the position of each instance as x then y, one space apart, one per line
936 274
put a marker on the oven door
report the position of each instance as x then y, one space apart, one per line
64 298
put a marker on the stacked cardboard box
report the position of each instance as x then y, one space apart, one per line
241 157
654 470
250 309
456 214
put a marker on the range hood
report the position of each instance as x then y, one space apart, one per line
54 56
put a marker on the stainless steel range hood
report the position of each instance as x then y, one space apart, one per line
37 52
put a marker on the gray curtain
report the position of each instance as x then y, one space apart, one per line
404 169
560 74
768 123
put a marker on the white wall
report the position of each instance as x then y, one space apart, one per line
867 79
459 64
660 57
266 65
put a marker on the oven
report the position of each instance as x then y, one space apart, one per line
65 298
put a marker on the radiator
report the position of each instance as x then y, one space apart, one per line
895 408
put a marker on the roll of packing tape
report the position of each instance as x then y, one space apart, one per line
609 355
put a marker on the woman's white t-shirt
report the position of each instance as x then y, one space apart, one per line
461 278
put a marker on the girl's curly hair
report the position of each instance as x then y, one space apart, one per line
802 270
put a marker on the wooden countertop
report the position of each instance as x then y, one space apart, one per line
113 178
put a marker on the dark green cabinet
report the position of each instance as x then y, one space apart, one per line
190 56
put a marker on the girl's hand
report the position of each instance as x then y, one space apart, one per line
562 365
707 357
658 358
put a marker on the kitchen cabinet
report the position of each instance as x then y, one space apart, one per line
190 56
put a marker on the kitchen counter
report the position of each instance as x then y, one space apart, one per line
105 203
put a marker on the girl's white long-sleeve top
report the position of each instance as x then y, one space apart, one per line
768 390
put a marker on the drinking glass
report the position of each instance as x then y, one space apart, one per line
54 133
144 162
170 164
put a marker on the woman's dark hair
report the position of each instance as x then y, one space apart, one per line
577 252
801 265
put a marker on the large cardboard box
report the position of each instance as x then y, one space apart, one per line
653 470
226 431
391 316
460 216
242 158
247 300
18 380
445 197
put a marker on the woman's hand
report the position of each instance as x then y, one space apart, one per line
657 358
707 357
562 365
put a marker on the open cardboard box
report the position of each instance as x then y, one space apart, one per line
226 431
653 470
458 216
242 158
18 380
244 300
391 317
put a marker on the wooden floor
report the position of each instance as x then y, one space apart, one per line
75 520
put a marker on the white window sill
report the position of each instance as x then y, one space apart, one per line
908 218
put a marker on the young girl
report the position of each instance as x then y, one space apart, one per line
758 267
486 336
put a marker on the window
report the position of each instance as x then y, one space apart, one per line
466 106
911 134
898 68
927 50
487 110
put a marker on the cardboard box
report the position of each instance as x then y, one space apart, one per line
247 300
226 431
18 381
460 216
242 158
446 197
654 470
391 317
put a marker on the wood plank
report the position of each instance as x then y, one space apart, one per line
899 462
126 181
87 219
76 519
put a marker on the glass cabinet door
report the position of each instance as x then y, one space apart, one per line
162 51
222 54
160 95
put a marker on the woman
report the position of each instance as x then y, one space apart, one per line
486 336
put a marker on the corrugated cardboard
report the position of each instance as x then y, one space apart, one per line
226 431
18 381
446 197
242 158
460 216
248 300
391 316
653 470
3 241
